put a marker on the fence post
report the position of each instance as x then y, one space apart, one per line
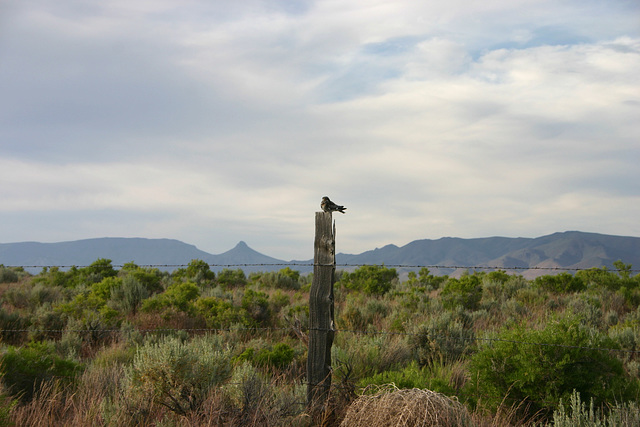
321 328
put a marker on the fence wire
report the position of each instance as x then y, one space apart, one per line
311 264
307 330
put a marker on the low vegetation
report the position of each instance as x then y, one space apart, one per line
100 345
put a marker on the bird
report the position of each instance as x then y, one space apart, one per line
328 206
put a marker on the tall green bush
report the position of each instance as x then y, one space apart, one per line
151 278
231 278
219 313
24 369
560 283
277 356
543 366
370 279
465 291
179 296
197 271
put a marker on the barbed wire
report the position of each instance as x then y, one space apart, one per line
306 330
311 264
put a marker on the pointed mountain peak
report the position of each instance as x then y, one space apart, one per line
242 253
241 245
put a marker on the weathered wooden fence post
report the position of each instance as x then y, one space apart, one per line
321 328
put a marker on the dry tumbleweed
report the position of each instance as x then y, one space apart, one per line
390 406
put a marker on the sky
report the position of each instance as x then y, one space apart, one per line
214 122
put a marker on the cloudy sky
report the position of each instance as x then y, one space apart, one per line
218 121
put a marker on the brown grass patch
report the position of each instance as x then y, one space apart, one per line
390 406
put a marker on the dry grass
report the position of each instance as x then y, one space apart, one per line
48 407
390 406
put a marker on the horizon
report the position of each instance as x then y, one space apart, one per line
253 248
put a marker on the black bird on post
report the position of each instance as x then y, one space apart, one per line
328 206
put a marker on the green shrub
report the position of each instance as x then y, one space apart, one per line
411 376
414 299
498 276
151 278
603 278
425 279
92 330
197 271
92 299
531 297
370 279
256 401
256 305
103 289
46 324
129 295
278 356
177 374
447 337
570 356
24 369
8 275
465 292
286 278
219 313
297 316
362 312
12 326
588 309
179 296
231 278
114 355
444 378
560 283
54 277
200 272
496 288
277 301
96 272
371 354
18 296
30 296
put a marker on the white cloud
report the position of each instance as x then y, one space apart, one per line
212 123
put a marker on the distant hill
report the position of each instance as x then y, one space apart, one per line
571 249
123 250
526 256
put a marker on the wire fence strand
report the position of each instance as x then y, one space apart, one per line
306 330
347 265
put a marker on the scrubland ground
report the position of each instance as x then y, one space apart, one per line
137 346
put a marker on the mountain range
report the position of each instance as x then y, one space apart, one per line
448 255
